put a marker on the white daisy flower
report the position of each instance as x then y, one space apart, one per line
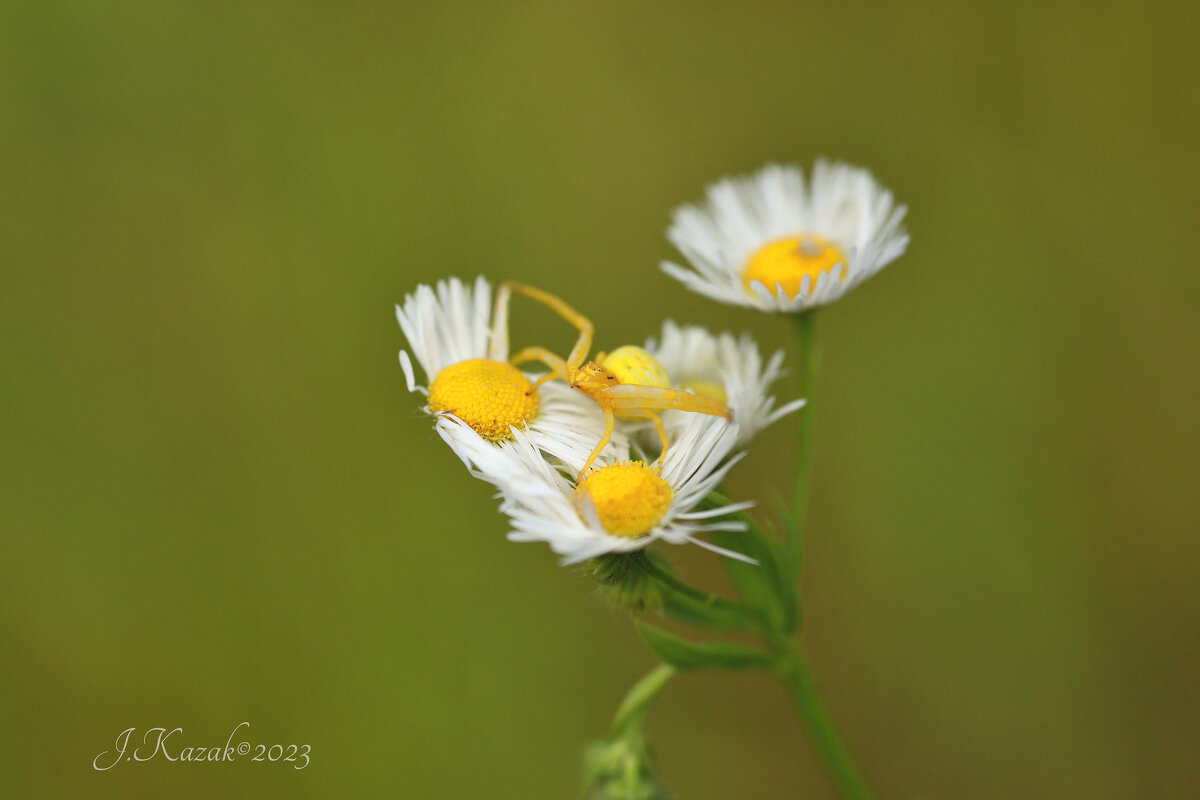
479 398
623 505
773 243
726 369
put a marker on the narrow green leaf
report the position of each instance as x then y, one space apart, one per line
713 617
748 578
771 584
783 574
752 580
683 654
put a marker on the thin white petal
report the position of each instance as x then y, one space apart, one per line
735 555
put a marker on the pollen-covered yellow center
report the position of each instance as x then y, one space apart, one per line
629 496
490 396
785 262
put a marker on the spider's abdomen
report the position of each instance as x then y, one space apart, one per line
634 365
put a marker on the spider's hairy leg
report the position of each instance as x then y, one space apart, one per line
630 396
662 435
558 368
556 304
658 426
609 419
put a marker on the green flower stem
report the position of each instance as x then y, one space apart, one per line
810 363
835 757
790 665
632 711
622 767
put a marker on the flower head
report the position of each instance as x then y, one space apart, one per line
724 368
772 242
478 397
622 504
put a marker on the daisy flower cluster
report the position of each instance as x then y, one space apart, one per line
576 469
600 458
534 437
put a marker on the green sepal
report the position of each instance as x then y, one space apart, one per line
627 580
683 654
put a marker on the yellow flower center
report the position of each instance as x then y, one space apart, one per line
629 496
490 396
786 261
713 391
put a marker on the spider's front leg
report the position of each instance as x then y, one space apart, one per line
631 397
658 426
557 305
558 368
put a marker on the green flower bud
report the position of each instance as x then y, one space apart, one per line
621 770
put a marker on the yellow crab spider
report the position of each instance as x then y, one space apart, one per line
612 380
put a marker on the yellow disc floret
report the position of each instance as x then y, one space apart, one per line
629 496
785 262
490 396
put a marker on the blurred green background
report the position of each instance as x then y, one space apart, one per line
219 503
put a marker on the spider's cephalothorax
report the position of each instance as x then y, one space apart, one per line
628 383
592 378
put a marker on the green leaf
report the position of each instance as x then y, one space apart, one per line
783 573
753 581
769 585
683 654
714 617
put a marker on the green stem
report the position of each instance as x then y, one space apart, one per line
835 757
790 665
632 711
810 363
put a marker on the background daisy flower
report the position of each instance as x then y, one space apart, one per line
772 242
621 505
727 369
